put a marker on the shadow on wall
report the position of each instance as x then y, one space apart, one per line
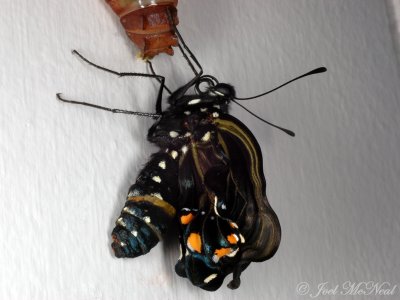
393 10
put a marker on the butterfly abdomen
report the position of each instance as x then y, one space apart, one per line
149 208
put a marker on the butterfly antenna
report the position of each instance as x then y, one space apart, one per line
113 110
315 71
287 131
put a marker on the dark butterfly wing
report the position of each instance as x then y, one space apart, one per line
227 222
258 222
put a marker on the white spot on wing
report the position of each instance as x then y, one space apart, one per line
242 239
215 206
189 246
215 115
187 134
157 195
180 253
232 254
173 134
147 219
187 113
194 101
204 109
157 179
211 277
135 233
174 154
206 137
184 149
162 164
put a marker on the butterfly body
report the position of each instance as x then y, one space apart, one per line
207 176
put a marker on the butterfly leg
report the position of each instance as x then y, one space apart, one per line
159 78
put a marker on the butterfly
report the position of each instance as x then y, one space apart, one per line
207 177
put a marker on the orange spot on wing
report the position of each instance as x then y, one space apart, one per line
233 225
187 219
194 242
232 238
222 252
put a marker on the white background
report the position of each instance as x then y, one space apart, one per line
65 170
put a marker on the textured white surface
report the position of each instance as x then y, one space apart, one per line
393 8
65 169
